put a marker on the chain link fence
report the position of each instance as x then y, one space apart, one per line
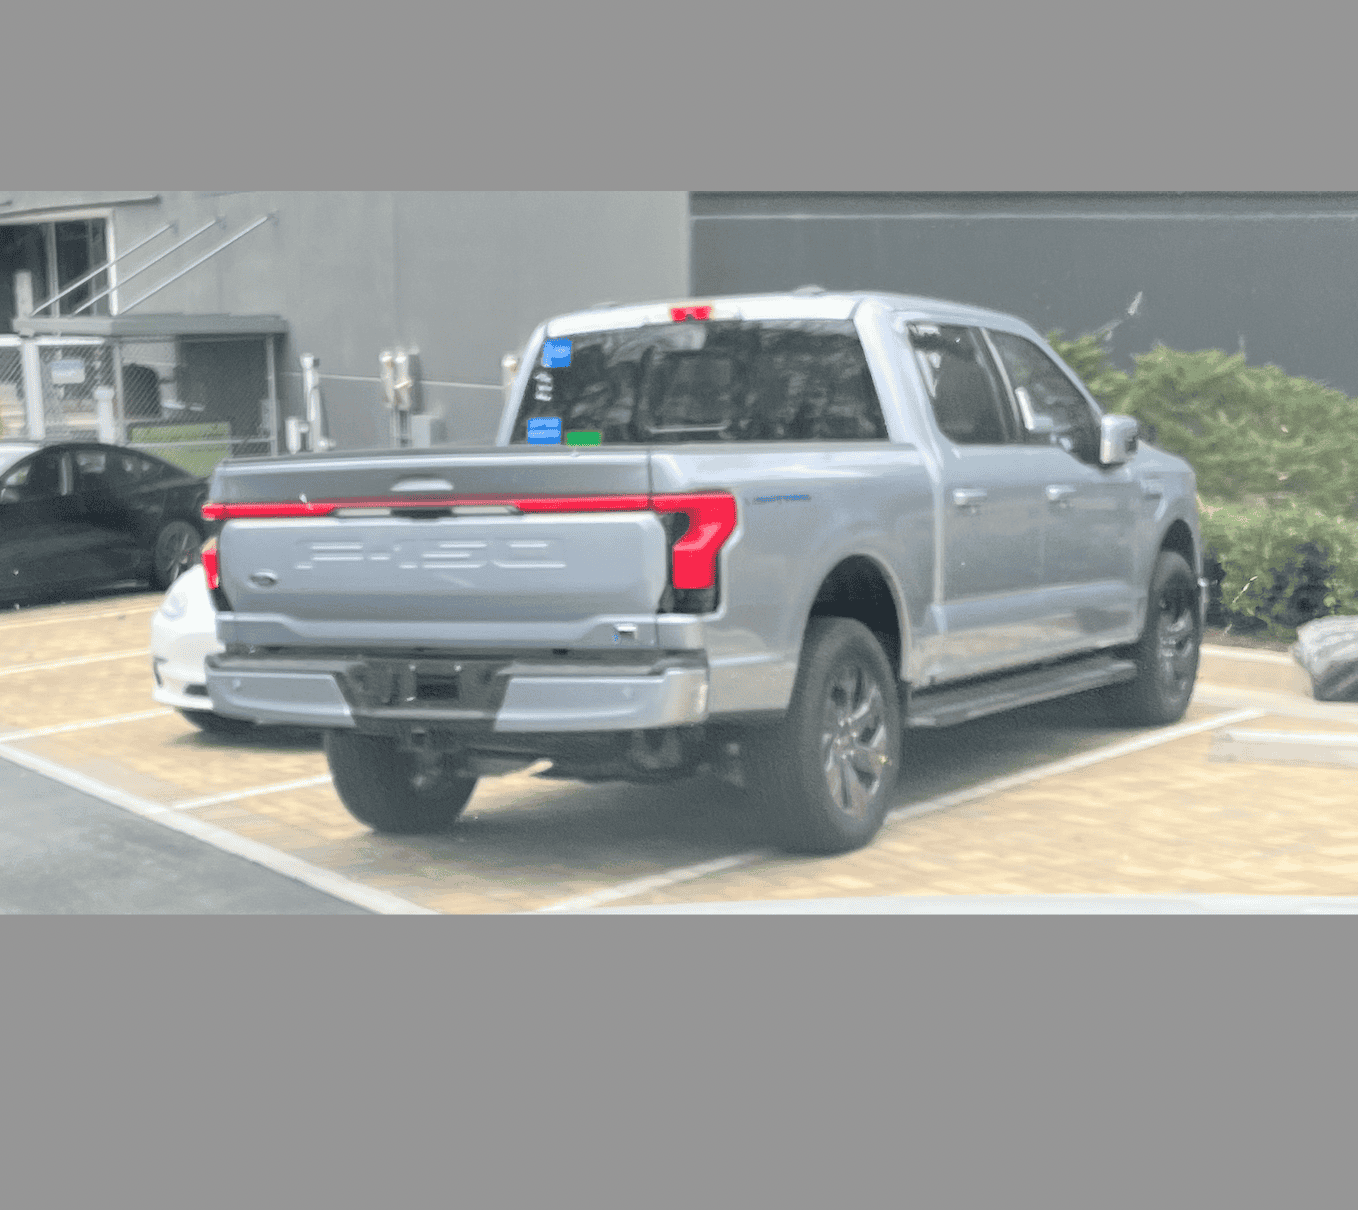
13 422
191 400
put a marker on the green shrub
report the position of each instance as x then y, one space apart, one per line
1249 431
1277 565
1276 459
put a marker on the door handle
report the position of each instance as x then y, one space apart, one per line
1152 488
968 497
1060 494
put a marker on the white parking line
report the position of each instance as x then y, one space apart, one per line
654 882
192 804
67 619
74 662
328 881
15 736
640 886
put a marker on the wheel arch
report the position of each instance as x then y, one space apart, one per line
860 587
1179 538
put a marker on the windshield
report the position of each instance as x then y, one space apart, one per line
10 454
781 380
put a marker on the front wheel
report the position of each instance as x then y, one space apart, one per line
1166 655
175 550
395 789
823 777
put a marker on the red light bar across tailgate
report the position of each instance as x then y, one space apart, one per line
712 518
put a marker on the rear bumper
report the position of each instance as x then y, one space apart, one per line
512 698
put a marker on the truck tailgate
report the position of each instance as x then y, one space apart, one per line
411 550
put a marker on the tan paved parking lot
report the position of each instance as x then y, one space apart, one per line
1168 819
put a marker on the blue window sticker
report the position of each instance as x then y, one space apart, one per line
544 430
556 354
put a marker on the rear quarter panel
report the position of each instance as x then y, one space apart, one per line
802 509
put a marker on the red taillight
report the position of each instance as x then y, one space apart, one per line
211 565
679 314
711 518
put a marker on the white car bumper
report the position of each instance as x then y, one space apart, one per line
183 635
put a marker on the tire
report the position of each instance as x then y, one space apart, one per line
823 778
1167 652
175 549
388 788
218 724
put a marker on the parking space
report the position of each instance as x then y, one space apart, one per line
1043 801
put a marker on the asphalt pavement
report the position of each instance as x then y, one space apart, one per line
65 853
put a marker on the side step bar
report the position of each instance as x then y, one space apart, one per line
946 707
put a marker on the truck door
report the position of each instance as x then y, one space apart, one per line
1089 512
992 511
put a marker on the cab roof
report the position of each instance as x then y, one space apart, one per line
807 303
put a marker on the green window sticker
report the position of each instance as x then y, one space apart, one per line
581 437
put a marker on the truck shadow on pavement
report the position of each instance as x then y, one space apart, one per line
544 823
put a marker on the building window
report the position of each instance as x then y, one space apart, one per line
54 254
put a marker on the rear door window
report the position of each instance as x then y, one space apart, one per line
721 381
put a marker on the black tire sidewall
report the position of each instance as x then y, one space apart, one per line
791 783
1145 700
158 579
371 775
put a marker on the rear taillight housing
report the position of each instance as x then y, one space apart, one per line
211 566
711 520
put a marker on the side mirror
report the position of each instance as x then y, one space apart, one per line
1117 439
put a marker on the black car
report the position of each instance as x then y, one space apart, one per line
78 515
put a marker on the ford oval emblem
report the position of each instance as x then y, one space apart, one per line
263 579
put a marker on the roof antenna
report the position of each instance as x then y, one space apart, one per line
807 290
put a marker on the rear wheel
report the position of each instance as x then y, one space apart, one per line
175 550
395 789
823 778
1167 652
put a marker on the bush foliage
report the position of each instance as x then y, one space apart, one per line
1277 465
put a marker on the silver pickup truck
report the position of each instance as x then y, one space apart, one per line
759 536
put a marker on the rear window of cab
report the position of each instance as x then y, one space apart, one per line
719 380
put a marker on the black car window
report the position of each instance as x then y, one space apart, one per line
1054 410
45 475
963 387
98 472
138 469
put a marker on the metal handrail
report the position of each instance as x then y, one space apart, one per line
107 265
156 260
258 222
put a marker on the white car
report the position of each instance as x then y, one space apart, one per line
183 635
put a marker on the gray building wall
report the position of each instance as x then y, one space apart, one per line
463 277
1276 274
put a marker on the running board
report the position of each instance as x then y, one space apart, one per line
945 707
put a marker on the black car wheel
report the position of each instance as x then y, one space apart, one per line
824 776
1167 653
174 553
395 789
